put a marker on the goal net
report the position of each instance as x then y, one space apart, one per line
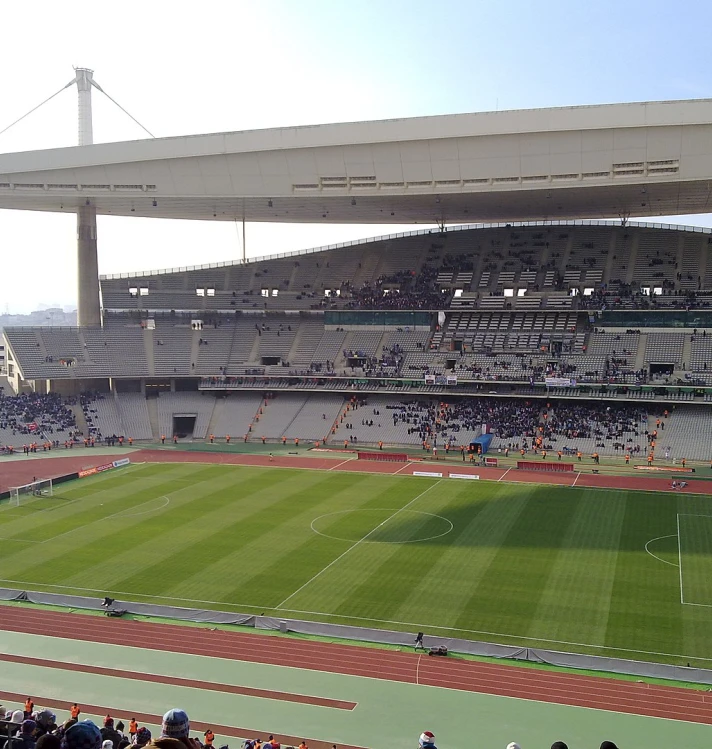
20 495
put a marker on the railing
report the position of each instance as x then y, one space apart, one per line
401 235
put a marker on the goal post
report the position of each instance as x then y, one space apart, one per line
22 494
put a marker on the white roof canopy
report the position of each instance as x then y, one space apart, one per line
642 159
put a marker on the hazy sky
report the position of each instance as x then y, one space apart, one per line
184 68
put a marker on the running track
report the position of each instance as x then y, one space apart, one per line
490 678
19 472
511 681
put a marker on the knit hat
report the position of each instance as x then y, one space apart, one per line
108 744
176 724
28 727
108 722
82 735
45 718
17 716
427 738
608 745
513 745
143 736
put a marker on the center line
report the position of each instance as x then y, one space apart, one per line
353 546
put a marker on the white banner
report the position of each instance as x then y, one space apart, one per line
429 474
559 382
464 476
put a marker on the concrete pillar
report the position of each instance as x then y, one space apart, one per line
88 309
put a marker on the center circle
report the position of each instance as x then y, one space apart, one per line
387 526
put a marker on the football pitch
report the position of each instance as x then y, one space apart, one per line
597 571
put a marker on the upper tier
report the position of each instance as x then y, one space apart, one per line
526 266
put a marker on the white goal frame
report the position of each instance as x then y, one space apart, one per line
22 494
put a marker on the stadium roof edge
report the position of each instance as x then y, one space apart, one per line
510 121
398 235
592 162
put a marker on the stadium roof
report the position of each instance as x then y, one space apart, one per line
641 159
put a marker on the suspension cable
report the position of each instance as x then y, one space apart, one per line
99 88
34 109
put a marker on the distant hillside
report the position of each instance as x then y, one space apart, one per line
53 316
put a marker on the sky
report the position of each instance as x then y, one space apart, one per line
183 68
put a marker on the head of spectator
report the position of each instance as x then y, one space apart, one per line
513 745
559 745
17 716
142 737
108 722
608 745
46 720
28 727
82 735
175 725
107 744
49 741
427 740
120 726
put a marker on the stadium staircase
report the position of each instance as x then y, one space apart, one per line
632 259
686 354
640 354
334 438
296 345
255 351
80 419
194 349
152 405
367 270
149 343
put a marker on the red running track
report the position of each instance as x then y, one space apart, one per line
17 473
489 678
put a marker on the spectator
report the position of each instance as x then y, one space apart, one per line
49 741
109 733
46 722
82 735
142 737
427 740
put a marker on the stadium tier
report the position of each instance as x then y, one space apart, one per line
593 311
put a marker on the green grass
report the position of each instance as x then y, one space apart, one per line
543 566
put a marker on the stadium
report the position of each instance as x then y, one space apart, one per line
493 432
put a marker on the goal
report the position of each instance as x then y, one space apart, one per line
22 494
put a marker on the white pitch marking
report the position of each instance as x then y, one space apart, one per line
679 555
145 512
343 462
411 625
655 556
357 543
505 473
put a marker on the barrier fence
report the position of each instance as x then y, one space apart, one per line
546 466
392 457
379 636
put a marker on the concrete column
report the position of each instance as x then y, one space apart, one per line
88 309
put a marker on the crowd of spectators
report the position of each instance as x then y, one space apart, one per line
36 415
39 729
403 290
